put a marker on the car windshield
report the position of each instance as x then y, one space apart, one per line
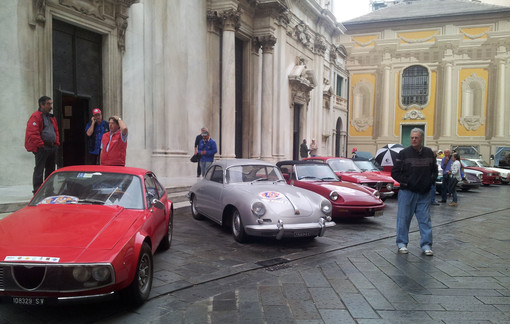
315 172
250 173
483 163
366 166
91 188
468 163
343 165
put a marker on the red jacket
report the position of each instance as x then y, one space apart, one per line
33 140
116 154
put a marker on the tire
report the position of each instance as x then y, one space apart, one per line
194 211
166 242
138 291
238 227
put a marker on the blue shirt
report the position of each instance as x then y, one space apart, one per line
210 148
94 144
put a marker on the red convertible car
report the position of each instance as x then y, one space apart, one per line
348 200
347 170
89 231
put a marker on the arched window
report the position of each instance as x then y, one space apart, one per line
415 86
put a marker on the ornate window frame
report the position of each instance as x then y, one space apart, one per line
428 89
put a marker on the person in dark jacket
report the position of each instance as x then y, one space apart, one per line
42 139
416 169
197 142
303 150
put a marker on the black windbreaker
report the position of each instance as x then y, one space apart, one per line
415 170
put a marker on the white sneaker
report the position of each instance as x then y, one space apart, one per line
403 250
428 252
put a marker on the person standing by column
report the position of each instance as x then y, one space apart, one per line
114 143
446 164
95 129
42 139
197 141
313 148
303 150
207 148
416 169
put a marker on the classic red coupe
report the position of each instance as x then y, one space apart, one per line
89 231
347 170
348 200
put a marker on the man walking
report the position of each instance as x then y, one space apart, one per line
42 139
207 148
114 143
416 169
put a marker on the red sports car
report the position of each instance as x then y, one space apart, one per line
347 170
348 200
369 167
89 231
489 176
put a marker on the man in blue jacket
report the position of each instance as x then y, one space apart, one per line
207 148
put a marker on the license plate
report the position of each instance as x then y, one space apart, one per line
378 213
28 301
302 234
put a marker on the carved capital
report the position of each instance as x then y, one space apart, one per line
267 42
230 20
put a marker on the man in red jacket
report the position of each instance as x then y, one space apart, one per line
114 143
42 139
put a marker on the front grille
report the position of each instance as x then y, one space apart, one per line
2 287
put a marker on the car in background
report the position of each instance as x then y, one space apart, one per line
489 176
89 231
253 199
504 173
473 179
349 200
347 170
369 166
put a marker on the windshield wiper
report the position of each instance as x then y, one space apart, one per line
260 179
328 178
308 177
91 201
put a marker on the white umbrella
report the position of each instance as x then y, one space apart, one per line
387 154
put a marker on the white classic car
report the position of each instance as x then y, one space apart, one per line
252 197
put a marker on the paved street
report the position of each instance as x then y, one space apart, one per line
351 275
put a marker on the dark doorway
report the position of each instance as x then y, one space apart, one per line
338 137
296 141
77 87
239 99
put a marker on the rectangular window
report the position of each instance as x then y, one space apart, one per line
339 85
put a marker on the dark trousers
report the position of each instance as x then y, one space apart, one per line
199 170
445 188
92 159
44 165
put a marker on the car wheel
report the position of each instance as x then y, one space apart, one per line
238 227
167 239
138 291
194 211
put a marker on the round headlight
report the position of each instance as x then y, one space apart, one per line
101 273
377 194
389 186
81 274
258 209
326 207
333 195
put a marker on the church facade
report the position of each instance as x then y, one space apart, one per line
443 66
260 75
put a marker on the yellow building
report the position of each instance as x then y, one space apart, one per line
442 65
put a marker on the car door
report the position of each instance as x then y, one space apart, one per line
209 195
157 216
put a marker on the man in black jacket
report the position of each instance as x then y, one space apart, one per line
416 170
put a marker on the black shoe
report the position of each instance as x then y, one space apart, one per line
442 201
435 203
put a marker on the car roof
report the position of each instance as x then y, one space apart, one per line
293 162
103 168
226 163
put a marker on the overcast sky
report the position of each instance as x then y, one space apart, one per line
347 9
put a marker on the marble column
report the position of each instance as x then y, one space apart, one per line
230 20
267 43
385 101
447 112
500 99
256 127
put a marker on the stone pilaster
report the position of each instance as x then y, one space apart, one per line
267 43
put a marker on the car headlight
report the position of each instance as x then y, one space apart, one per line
377 194
389 186
101 273
81 273
258 209
480 176
326 207
333 195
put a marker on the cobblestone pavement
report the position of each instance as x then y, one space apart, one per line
351 275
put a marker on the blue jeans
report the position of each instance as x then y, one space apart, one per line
409 204
204 165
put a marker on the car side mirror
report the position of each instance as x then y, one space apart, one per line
157 203
492 157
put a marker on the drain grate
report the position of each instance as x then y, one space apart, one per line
278 267
274 264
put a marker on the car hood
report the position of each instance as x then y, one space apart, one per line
280 198
351 193
364 177
484 170
62 231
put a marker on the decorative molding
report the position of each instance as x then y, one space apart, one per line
477 35
230 19
361 121
362 124
472 123
413 115
301 81
319 46
473 117
267 43
418 40
94 8
302 34
39 12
